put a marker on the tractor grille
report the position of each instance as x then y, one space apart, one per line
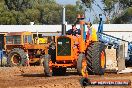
63 46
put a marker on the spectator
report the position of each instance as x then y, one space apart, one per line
91 34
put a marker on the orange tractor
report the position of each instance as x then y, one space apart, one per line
22 49
86 54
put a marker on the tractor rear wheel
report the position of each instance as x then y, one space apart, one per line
47 65
82 65
96 58
17 57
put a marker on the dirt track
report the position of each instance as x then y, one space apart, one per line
33 77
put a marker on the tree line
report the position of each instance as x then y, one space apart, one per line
22 12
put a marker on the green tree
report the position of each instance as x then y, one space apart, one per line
52 13
88 3
125 17
38 11
32 15
72 12
1 7
18 5
7 17
112 8
118 9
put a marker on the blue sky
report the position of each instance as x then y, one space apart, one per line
66 1
89 15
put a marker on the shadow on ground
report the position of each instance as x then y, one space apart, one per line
33 75
43 75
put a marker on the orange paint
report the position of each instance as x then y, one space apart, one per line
102 59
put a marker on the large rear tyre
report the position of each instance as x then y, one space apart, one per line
82 65
17 57
96 58
47 65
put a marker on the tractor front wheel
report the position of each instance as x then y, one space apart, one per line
82 65
47 65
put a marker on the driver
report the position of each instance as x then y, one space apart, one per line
74 31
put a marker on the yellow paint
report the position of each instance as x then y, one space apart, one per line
94 34
42 40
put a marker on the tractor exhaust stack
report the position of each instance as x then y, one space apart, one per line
63 22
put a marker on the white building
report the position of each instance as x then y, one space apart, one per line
118 30
123 31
